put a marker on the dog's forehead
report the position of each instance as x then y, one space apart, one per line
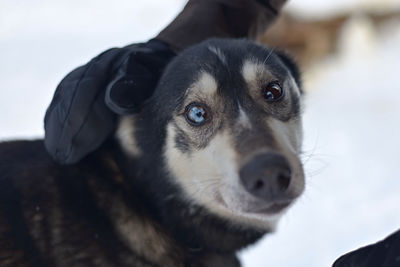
224 66
229 67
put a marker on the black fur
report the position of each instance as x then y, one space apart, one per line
291 65
52 215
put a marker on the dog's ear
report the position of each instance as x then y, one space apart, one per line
289 62
136 80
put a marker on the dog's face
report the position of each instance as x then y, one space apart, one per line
230 113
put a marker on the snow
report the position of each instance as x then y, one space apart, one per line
351 120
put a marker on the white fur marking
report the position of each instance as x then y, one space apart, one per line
243 119
218 53
126 136
251 70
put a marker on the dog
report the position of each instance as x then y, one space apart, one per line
206 168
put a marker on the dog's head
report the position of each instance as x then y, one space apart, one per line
225 122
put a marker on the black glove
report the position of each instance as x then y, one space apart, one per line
385 253
83 112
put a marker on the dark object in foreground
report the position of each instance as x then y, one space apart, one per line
385 253
166 190
77 121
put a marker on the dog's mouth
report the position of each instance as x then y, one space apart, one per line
257 207
272 208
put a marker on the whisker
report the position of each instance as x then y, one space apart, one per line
268 56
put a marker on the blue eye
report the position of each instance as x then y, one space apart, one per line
196 114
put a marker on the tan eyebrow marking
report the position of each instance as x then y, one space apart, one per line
205 84
250 70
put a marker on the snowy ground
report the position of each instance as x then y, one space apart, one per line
352 122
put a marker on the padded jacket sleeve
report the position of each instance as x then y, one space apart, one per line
385 253
78 120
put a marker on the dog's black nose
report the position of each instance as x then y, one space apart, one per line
267 176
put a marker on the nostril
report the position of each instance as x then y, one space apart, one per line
258 184
284 181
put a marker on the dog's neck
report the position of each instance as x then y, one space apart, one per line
138 231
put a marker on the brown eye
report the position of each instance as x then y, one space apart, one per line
273 91
196 114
